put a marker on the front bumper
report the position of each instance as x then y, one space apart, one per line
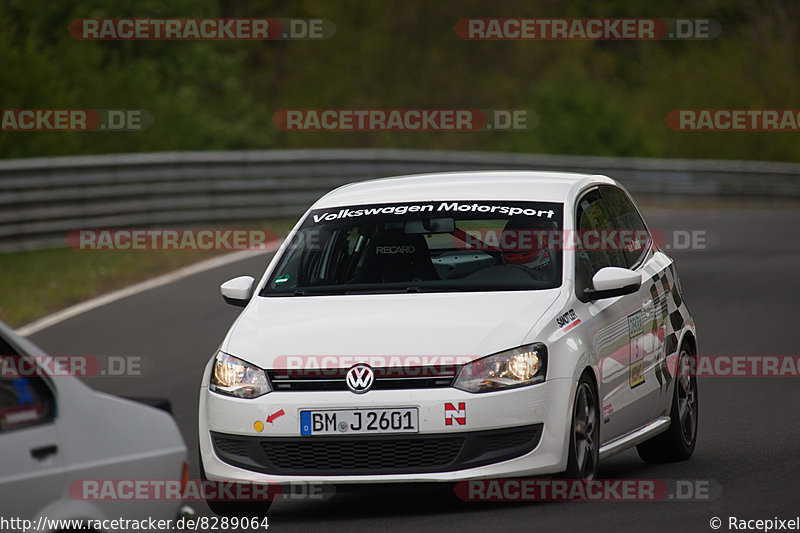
375 454
491 435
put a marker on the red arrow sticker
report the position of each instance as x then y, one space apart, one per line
275 415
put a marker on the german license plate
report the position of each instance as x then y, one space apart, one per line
359 421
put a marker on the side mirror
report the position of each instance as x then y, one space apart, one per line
238 291
609 282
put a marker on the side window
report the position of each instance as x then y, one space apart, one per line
6 349
593 220
25 400
635 239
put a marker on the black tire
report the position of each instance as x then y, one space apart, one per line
241 509
678 442
584 440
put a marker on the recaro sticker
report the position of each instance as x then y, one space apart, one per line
388 250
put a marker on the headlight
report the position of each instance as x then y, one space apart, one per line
234 377
521 366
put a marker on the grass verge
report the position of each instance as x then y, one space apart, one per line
36 283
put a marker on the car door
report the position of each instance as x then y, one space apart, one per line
31 470
648 326
611 319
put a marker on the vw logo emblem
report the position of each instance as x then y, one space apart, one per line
360 378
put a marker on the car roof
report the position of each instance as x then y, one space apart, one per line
478 185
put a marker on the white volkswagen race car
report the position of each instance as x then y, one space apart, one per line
445 327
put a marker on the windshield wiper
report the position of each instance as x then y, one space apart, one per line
399 290
300 292
312 292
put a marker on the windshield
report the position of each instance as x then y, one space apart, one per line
421 247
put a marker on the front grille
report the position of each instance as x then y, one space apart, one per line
423 377
508 440
364 454
232 447
375 454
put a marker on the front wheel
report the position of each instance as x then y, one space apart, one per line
678 442
584 441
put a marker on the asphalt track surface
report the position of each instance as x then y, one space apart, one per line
743 291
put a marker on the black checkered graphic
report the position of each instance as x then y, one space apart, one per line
677 313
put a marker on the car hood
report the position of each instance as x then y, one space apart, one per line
466 325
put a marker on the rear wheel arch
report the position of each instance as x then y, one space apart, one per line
592 374
678 442
689 342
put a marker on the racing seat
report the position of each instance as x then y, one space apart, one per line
528 230
397 257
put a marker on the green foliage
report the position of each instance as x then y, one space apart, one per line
596 98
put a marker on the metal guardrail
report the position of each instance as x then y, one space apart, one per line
42 199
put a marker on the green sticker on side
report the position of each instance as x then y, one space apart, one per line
282 279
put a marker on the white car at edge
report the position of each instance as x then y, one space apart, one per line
61 440
409 329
